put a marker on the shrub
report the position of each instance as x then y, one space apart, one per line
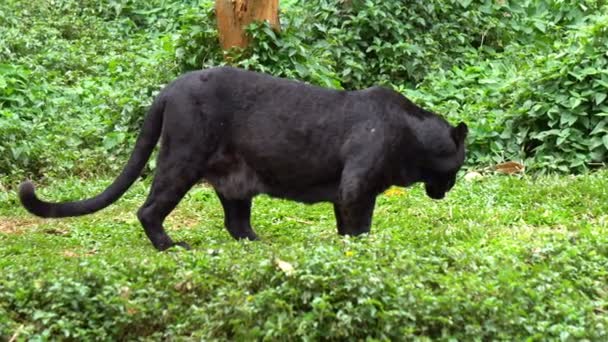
469 60
529 102
80 75
76 88
560 115
354 44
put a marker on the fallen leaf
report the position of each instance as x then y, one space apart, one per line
510 167
70 254
16 334
299 220
54 231
471 176
125 291
394 191
284 266
184 286
213 252
91 252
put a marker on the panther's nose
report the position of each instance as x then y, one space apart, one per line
437 196
434 193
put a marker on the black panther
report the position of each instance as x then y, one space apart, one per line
248 133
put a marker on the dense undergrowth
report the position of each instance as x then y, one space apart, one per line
529 77
502 258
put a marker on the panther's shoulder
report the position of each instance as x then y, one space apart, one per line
394 98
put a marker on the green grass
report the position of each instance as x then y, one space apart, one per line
501 258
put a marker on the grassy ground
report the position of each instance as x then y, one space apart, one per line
503 257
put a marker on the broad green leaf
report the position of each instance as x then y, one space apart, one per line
540 26
568 119
575 102
600 127
270 32
465 3
595 142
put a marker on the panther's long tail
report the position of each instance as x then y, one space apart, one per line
147 139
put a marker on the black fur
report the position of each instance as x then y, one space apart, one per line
248 133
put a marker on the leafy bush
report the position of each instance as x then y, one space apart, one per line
77 76
14 93
560 115
476 94
393 42
530 102
470 60
355 44
76 88
198 44
283 54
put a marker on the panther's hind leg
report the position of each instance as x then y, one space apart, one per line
174 177
237 217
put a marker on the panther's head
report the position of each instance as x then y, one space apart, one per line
439 171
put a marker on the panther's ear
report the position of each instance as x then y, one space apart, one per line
459 133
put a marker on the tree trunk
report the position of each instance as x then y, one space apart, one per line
234 15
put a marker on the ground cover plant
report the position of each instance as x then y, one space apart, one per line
503 257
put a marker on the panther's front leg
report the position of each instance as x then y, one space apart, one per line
355 218
361 180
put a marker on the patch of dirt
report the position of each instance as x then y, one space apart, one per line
54 231
14 225
72 254
179 220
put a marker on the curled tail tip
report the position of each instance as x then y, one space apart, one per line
27 196
27 191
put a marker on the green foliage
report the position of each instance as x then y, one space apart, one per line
502 258
198 45
483 62
541 104
355 44
14 93
289 55
392 42
77 84
562 117
527 76
284 54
